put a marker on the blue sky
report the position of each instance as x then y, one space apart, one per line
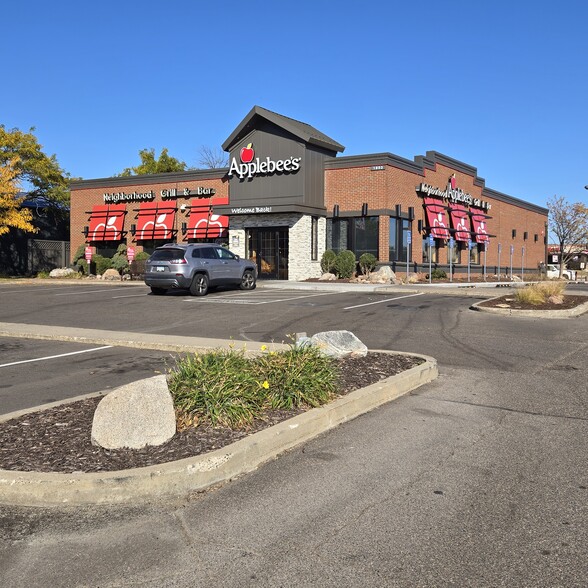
499 84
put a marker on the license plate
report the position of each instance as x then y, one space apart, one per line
159 268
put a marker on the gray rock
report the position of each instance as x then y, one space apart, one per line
339 344
62 272
135 415
111 275
327 277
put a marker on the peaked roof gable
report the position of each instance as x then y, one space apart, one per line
303 131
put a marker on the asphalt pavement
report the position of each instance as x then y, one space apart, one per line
476 479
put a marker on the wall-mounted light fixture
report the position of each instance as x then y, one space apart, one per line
133 229
335 211
398 210
411 213
86 231
525 235
364 209
420 226
536 237
514 233
184 228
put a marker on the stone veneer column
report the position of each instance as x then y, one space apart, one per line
300 265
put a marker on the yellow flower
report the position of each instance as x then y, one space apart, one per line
264 347
266 384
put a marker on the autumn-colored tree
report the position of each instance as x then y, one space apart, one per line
35 172
150 165
569 223
11 213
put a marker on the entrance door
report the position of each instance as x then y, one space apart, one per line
268 247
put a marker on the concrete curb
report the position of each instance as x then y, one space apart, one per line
544 314
175 343
188 475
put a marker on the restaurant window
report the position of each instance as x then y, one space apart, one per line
314 238
359 234
454 253
434 251
475 254
338 234
149 246
398 241
365 235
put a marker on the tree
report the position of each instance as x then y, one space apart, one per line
149 165
11 213
569 223
212 158
34 171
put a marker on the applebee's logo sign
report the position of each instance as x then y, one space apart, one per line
250 165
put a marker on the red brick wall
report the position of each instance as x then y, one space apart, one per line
350 187
83 199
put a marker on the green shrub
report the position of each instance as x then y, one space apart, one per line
142 256
367 263
345 264
328 261
301 376
80 254
120 261
438 274
224 388
218 387
43 275
101 263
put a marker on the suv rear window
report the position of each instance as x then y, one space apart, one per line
167 254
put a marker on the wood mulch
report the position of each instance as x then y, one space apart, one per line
509 301
58 439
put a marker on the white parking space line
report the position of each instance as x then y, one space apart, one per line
91 291
132 295
382 301
54 356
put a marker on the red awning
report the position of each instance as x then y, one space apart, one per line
106 222
203 223
479 224
436 218
459 220
155 221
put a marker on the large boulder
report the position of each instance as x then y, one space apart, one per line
327 277
62 272
135 415
111 275
339 344
384 275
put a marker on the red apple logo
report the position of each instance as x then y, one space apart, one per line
247 153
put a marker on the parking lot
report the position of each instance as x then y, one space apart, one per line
487 460
37 371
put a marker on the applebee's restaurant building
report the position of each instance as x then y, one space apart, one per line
288 195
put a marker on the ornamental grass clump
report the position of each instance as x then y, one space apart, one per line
217 387
301 376
537 294
225 388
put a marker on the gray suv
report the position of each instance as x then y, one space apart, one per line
197 267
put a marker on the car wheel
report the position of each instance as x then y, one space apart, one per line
157 291
199 285
247 281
